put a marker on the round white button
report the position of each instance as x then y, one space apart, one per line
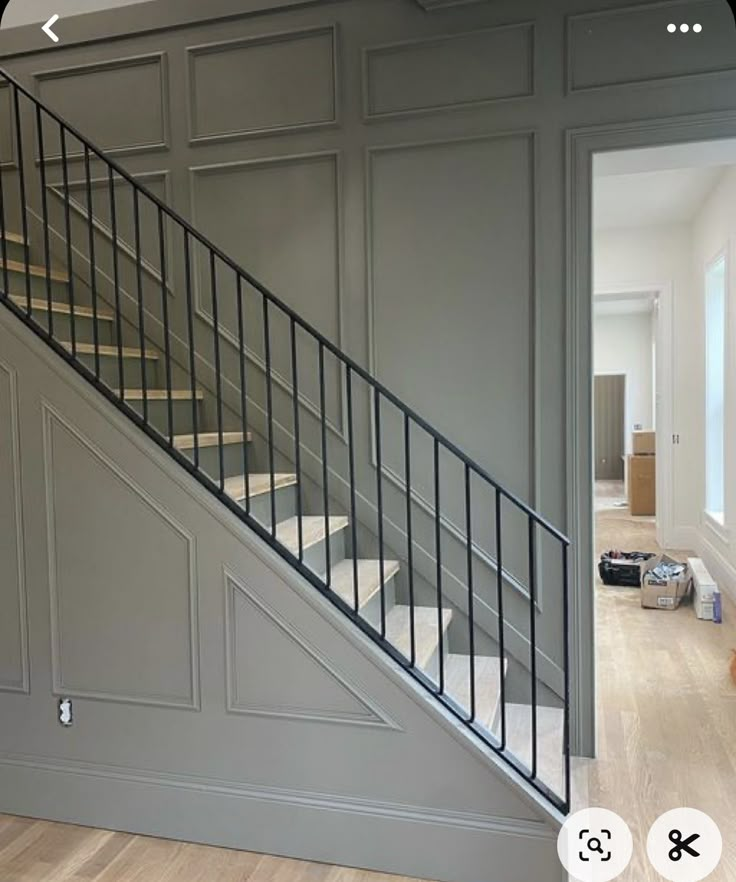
595 845
684 845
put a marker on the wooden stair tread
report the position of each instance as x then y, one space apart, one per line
369 578
313 530
208 439
58 306
39 272
108 351
550 736
13 237
487 684
257 484
426 631
161 394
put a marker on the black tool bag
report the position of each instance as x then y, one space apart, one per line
622 568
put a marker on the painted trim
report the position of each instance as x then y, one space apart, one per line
192 52
396 47
375 716
581 144
24 686
340 428
715 560
161 58
51 415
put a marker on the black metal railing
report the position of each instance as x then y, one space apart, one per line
235 357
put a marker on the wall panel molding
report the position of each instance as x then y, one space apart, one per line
294 118
21 684
155 91
7 140
54 421
367 711
501 58
594 60
339 426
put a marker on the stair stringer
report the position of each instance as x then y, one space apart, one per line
422 799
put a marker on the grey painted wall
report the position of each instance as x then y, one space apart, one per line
23 12
460 304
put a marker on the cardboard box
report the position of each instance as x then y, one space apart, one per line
643 443
642 474
663 594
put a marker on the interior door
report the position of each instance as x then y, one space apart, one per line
609 404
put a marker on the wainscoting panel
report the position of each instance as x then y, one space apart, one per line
492 64
122 581
264 85
13 624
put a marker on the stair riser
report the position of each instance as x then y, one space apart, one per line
158 415
371 612
15 251
209 460
132 371
315 556
83 327
17 285
260 506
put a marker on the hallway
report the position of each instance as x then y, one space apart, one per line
666 704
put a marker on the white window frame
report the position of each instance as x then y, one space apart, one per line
716 519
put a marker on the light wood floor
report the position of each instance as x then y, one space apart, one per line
667 706
667 738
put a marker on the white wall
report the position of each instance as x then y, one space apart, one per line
623 345
648 256
714 229
23 12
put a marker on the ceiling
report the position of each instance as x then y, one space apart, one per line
659 185
632 304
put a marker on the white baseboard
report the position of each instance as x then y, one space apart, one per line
720 567
410 840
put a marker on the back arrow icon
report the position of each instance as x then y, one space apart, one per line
47 28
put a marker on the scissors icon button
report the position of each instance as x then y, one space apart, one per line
682 845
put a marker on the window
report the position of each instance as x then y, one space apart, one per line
715 379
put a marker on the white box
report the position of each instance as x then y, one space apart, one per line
704 587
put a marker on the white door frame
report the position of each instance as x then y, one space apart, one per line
581 145
664 386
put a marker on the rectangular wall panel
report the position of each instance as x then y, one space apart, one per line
139 119
451 262
486 65
7 121
13 638
263 85
288 236
123 584
633 46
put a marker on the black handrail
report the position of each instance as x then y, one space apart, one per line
379 396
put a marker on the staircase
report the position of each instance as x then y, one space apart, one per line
82 282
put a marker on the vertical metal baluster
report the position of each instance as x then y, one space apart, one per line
22 191
297 442
351 466
192 352
409 540
165 316
69 251
566 671
243 392
379 506
269 407
92 261
438 553
325 473
141 311
499 606
471 598
116 284
218 367
45 214
533 636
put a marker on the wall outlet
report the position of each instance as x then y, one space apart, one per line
65 712
637 427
